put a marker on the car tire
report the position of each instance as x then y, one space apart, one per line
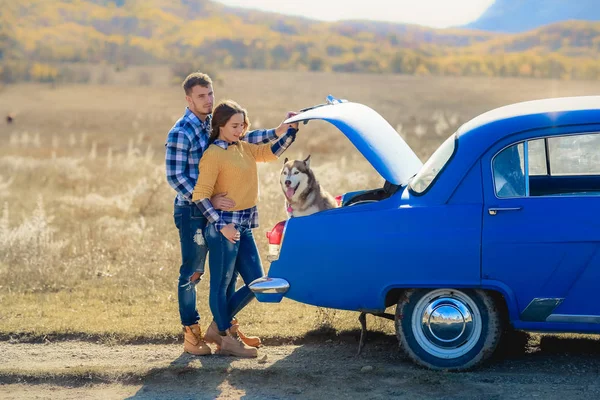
448 329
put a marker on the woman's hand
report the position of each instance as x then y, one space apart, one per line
231 233
282 128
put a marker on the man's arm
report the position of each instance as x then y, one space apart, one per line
260 136
176 163
208 172
270 135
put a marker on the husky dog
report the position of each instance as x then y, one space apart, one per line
303 194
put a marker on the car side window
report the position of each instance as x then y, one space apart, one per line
508 169
553 166
537 157
575 155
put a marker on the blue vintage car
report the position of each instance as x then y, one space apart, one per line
498 230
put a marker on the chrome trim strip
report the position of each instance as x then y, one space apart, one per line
268 285
539 309
584 319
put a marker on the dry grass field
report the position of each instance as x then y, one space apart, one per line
88 247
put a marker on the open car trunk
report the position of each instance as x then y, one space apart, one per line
372 135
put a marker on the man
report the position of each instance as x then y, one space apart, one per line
186 142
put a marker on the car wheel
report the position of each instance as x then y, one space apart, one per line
447 328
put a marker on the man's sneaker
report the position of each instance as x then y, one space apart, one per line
212 334
232 345
193 343
252 341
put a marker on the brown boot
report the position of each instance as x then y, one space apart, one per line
252 341
193 343
212 334
232 345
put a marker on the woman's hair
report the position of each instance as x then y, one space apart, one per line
223 113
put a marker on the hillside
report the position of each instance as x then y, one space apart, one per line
41 35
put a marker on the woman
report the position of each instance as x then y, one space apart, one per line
229 166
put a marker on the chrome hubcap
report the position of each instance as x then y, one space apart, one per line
446 323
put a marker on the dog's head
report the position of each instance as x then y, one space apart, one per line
295 177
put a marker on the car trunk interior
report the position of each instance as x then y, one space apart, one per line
371 196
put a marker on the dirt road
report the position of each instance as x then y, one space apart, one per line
547 368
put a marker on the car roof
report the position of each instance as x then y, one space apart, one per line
482 132
528 115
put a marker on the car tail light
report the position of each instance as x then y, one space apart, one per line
338 200
275 237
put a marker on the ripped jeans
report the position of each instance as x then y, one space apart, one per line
191 223
227 261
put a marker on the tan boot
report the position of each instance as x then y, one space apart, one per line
212 334
193 343
252 341
232 345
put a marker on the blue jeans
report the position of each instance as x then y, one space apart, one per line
191 223
225 261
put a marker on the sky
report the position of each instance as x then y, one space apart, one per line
433 13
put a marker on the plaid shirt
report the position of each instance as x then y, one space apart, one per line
186 142
247 218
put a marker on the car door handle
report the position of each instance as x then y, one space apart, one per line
494 211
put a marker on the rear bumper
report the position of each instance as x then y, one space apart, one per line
269 290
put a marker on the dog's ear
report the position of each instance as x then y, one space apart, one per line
307 161
285 161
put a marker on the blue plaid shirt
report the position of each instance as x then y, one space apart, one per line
186 142
247 218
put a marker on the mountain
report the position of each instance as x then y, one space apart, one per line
569 39
513 16
39 39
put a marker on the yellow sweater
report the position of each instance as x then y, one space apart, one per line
233 171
